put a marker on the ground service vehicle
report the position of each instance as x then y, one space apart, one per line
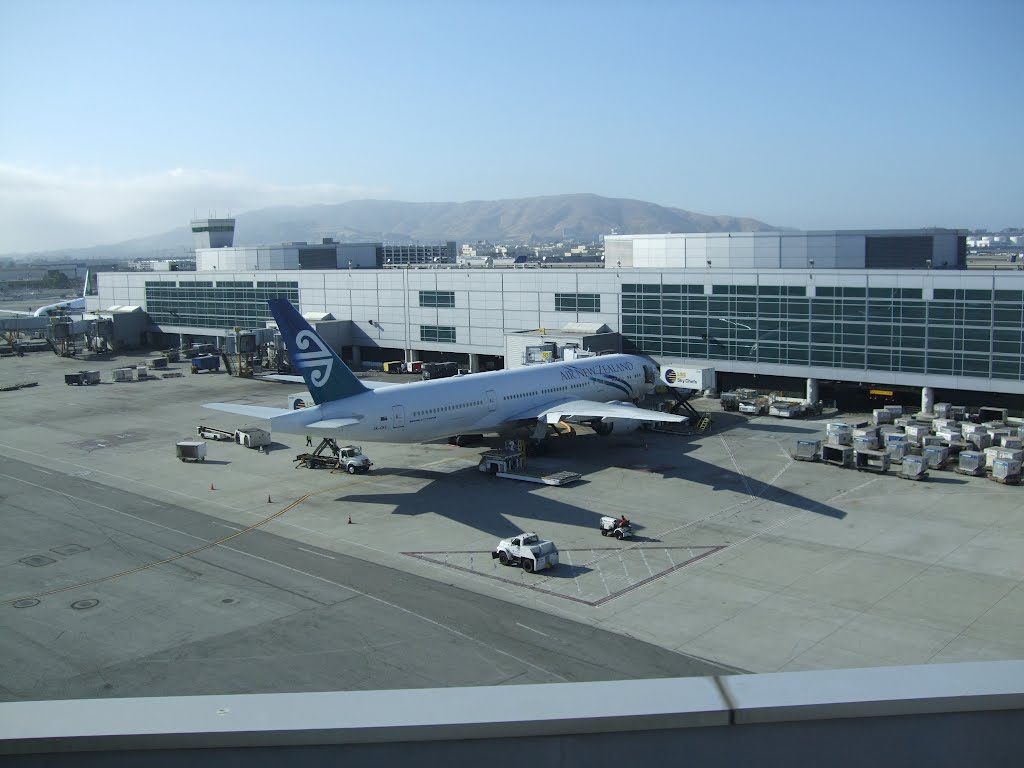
205 363
438 370
527 550
613 526
212 433
328 455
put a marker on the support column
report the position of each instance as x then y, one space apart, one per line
474 363
357 356
927 399
812 391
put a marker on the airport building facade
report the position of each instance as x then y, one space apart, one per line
928 322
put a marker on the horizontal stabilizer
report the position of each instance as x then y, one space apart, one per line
332 424
259 411
299 380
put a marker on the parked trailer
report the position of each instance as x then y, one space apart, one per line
212 433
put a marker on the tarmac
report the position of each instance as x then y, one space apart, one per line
126 572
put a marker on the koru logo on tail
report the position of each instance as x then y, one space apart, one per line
313 355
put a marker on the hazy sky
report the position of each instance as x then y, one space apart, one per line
120 120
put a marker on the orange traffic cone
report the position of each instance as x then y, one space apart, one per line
212 488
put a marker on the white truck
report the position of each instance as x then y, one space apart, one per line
527 550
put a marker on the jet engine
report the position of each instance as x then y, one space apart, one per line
606 426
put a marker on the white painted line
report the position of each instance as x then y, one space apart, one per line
318 554
37 469
644 558
225 525
151 503
531 629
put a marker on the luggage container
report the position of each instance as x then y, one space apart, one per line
971 463
190 450
897 450
979 440
895 410
74 378
913 468
92 377
865 443
882 416
1013 443
942 410
872 461
1006 471
955 446
916 433
936 456
142 372
990 413
840 455
838 433
807 450
122 374
894 437
994 454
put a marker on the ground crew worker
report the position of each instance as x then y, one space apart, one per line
309 440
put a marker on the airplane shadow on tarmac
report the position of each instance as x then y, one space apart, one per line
486 503
483 503
676 457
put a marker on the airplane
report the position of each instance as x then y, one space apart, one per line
70 305
597 391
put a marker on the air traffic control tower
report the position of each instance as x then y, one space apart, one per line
213 233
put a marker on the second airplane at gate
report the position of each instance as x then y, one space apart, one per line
596 391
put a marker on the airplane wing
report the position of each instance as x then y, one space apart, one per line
299 380
259 411
15 312
590 409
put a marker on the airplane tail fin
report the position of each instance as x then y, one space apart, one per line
326 377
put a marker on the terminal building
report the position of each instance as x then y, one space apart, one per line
896 310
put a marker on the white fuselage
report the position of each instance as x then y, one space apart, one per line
473 404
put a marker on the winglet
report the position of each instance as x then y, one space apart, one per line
326 377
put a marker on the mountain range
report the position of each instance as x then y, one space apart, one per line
583 217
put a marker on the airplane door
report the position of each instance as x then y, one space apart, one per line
397 416
492 400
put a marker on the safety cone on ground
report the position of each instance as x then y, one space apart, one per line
350 519
268 499
212 488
